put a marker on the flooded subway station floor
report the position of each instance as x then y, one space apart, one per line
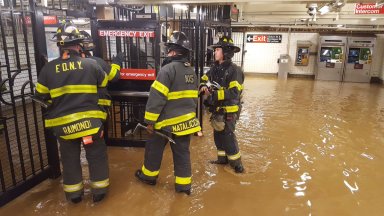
309 148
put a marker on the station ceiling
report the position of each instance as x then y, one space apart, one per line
253 13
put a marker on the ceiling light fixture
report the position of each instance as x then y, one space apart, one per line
380 3
312 9
373 19
325 9
181 7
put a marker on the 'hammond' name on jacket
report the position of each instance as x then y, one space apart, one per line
80 126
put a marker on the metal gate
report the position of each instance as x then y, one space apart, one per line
238 39
139 40
24 160
144 53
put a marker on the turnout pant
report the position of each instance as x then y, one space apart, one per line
226 142
154 149
96 154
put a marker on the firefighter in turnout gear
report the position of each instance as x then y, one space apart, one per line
113 70
71 83
171 109
224 102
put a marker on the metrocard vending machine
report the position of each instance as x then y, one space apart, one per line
330 61
359 59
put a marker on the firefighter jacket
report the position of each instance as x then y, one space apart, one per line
72 85
172 99
230 77
113 72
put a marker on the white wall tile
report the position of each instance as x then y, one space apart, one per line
378 56
262 57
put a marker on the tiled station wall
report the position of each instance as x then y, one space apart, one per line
262 57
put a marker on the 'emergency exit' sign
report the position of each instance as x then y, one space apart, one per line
126 33
262 38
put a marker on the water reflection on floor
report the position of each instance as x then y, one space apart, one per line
309 148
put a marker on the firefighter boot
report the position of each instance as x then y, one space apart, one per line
237 165
76 200
74 197
186 191
179 188
98 197
220 160
140 176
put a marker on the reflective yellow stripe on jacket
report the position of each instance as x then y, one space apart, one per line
235 84
183 94
204 78
104 102
42 89
75 117
220 94
105 81
189 131
73 89
112 73
229 109
175 120
160 87
151 116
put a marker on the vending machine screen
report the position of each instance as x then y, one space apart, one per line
359 56
331 54
353 55
302 56
365 56
325 54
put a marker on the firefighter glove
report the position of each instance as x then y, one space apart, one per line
118 59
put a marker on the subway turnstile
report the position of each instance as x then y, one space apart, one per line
330 62
359 59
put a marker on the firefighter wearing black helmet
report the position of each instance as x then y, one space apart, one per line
113 70
224 101
71 83
171 108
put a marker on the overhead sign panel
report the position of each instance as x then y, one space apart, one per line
126 33
48 20
263 38
369 8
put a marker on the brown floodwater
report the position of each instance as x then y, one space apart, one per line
309 148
